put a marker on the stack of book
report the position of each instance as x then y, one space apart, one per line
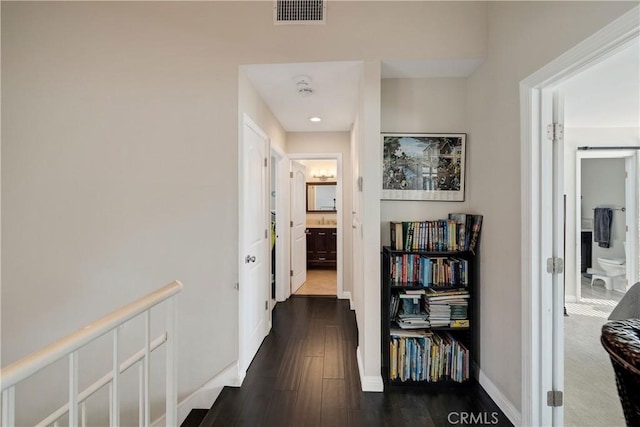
407 309
439 313
447 308
459 232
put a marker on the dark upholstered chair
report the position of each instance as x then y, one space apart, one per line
621 339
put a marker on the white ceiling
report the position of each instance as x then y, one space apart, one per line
335 94
335 86
607 94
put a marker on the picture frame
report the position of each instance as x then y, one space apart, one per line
423 166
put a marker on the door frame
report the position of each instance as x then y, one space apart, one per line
630 188
536 228
282 221
339 217
243 362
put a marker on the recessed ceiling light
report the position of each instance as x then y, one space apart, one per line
315 119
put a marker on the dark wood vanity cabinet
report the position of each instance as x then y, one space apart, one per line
321 248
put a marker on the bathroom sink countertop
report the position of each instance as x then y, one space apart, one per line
321 225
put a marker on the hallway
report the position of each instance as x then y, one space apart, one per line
306 374
319 282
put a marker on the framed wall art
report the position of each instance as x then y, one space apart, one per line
423 166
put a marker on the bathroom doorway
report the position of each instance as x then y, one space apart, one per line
606 178
323 212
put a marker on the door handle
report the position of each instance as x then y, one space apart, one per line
249 259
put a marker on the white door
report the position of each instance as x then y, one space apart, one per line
298 225
254 248
552 297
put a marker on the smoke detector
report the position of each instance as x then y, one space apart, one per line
303 86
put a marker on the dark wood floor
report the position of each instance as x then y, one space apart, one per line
306 374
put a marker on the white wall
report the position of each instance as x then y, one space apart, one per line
603 185
427 105
331 142
523 37
369 163
578 137
120 154
250 103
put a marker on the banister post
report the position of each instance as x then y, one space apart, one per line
172 373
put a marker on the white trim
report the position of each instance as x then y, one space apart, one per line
368 383
205 396
530 309
339 208
577 226
282 223
347 295
591 51
505 405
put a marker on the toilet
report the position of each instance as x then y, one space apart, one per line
611 268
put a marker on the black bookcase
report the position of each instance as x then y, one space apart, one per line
467 336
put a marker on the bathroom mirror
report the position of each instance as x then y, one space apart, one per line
321 196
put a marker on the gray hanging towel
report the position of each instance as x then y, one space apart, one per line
602 218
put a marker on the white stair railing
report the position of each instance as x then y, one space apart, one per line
71 344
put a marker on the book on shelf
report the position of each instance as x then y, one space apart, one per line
458 232
460 323
396 235
475 232
427 356
461 228
428 271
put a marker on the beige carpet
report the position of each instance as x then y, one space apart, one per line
319 282
590 397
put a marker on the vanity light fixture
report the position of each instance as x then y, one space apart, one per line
322 175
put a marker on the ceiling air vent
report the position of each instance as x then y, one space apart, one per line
300 12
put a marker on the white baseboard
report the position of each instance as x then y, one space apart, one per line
347 295
204 397
369 383
500 399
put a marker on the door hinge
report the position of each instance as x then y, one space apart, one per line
291 273
266 305
266 234
555 131
265 162
554 398
291 174
290 223
626 174
555 265
237 286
